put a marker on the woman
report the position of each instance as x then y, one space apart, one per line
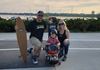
63 36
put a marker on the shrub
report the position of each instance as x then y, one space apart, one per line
74 25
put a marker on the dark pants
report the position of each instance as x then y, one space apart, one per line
63 50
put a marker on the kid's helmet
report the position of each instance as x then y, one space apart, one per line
54 31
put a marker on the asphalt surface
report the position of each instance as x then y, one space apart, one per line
84 54
10 57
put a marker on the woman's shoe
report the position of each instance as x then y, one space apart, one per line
64 58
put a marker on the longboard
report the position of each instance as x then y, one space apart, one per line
21 38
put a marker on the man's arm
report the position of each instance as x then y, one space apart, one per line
45 27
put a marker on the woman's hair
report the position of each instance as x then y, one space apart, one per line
60 22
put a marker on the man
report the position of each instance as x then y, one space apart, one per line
37 27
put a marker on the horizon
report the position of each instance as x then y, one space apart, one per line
4 13
50 6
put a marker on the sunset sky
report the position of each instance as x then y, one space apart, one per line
55 6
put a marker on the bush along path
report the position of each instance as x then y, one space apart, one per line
74 25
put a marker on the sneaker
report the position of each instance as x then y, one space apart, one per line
64 58
35 61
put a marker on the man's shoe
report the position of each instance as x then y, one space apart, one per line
30 50
35 61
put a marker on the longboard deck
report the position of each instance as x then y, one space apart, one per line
21 38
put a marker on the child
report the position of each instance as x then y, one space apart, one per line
53 39
52 24
53 43
52 48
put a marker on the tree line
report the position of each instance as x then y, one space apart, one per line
74 25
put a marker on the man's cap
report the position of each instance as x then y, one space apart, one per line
40 13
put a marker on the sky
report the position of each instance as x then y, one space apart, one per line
54 6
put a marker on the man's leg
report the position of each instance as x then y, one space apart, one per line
36 50
30 50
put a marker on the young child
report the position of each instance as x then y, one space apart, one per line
53 41
52 48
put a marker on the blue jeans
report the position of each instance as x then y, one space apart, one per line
63 50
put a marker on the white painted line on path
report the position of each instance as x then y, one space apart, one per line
16 49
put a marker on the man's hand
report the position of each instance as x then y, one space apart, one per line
16 27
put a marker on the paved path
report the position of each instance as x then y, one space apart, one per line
84 53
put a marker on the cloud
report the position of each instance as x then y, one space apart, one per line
48 5
89 4
84 5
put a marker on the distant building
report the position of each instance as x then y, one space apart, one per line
93 12
13 18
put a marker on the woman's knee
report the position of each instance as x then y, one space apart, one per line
66 42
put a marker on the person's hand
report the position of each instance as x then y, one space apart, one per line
16 27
